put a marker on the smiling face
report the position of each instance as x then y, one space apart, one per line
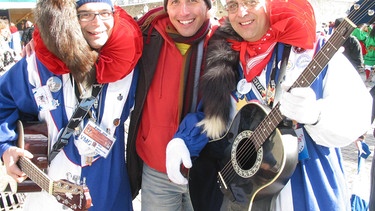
96 31
250 21
187 16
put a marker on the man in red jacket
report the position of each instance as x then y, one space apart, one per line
175 38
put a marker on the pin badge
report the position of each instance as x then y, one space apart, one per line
243 87
54 84
116 122
120 97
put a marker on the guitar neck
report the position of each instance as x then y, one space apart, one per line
307 77
325 54
35 174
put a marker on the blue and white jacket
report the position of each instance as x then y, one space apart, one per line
106 178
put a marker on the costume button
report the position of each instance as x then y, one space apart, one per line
116 122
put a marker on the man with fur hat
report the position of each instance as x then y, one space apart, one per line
175 38
261 165
81 82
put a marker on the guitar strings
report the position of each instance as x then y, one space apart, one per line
243 154
35 173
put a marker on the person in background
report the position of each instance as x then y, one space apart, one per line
15 43
243 65
27 34
7 54
369 58
331 25
361 33
85 52
175 37
352 49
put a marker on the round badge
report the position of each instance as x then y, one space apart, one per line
54 84
116 122
303 60
120 97
243 87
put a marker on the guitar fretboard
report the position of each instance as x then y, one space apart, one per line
307 77
35 174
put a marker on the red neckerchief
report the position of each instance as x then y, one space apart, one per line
117 58
292 22
254 56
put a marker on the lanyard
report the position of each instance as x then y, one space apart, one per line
78 115
272 98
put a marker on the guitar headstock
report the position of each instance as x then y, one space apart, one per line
362 12
76 197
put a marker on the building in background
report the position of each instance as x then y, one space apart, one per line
17 11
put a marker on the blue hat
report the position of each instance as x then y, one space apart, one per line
82 2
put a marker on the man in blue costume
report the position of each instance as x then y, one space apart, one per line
244 67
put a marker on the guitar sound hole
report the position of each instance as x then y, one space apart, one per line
246 154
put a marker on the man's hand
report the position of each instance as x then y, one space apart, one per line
300 105
177 153
10 158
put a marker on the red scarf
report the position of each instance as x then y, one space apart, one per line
117 57
292 22
191 70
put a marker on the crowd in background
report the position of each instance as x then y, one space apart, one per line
12 40
359 49
362 39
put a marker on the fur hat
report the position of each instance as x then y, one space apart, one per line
208 3
82 2
56 21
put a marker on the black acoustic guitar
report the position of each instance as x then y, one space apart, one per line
257 163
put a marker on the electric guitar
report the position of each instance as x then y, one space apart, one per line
75 197
257 163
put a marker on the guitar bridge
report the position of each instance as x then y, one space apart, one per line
224 187
222 182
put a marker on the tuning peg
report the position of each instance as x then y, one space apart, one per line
76 179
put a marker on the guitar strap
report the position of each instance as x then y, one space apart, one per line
283 65
79 114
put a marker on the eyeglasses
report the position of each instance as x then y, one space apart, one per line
232 6
89 16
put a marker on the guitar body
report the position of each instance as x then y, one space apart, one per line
33 136
35 141
253 171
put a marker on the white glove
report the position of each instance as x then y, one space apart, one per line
177 153
300 105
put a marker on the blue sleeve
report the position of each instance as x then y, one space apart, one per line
194 139
16 102
3 147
